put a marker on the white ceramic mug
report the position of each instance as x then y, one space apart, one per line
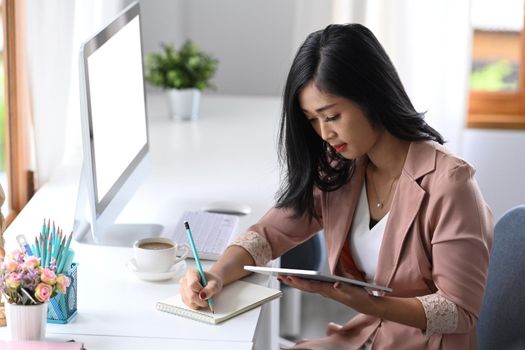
157 254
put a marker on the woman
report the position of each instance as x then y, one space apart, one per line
396 207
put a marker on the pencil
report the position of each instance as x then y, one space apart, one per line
37 248
43 227
198 262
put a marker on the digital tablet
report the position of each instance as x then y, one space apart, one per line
314 275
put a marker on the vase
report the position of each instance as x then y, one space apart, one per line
183 103
26 322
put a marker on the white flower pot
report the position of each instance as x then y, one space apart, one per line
26 322
183 103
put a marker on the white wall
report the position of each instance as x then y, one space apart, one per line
499 157
254 40
162 21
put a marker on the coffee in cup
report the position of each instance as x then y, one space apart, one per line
155 245
157 254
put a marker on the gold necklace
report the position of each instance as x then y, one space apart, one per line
380 203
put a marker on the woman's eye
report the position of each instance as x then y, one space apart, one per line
331 118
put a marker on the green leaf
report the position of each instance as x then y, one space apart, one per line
188 67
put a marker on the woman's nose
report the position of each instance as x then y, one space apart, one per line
327 133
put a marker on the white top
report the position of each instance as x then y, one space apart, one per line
365 242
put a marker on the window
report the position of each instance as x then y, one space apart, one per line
497 80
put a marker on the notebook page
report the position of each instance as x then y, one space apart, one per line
234 299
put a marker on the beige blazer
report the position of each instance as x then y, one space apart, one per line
437 240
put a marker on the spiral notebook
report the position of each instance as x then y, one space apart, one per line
233 300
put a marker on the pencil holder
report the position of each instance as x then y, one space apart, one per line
63 307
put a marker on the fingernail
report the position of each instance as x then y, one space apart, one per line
337 285
202 295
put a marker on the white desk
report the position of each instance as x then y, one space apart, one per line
228 154
126 343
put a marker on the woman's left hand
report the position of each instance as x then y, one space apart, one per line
355 297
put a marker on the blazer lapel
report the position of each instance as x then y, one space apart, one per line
405 207
342 203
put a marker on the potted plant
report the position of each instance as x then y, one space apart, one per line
183 74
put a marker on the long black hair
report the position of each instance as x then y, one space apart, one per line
347 61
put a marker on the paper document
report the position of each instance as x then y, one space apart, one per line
212 232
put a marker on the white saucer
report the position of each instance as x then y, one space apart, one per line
176 270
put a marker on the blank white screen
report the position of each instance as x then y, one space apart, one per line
117 105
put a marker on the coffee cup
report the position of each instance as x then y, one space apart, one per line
157 254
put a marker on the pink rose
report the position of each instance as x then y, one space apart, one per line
43 292
32 261
13 280
62 283
48 276
10 266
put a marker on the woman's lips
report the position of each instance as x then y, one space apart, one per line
340 147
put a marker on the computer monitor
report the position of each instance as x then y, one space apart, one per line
114 131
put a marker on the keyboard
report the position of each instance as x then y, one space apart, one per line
211 232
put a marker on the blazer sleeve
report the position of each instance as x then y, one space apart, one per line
462 235
283 232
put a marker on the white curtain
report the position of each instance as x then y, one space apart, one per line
430 44
55 31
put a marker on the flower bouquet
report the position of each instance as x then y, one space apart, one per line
27 288
24 282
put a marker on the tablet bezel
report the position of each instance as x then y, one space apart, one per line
315 275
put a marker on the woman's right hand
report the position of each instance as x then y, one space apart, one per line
194 294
